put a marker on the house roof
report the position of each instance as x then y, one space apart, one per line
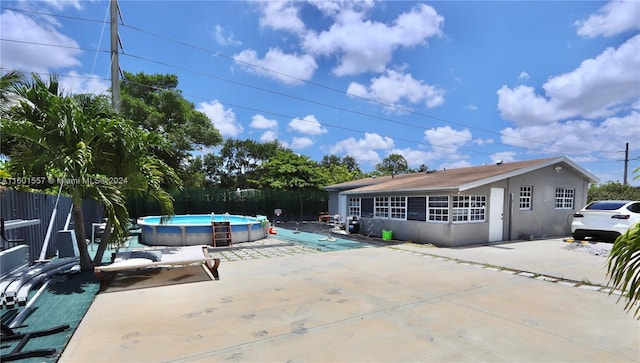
455 179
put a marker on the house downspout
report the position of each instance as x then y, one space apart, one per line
509 209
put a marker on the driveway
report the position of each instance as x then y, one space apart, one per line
553 258
395 303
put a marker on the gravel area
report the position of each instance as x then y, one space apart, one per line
597 249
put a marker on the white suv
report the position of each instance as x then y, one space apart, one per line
605 219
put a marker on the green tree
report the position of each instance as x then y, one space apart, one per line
393 164
352 165
330 160
7 81
239 159
194 175
57 135
212 165
339 170
290 171
623 266
99 155
612 191
144 175
423 168
154 103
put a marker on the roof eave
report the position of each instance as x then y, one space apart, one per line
436 189
482 182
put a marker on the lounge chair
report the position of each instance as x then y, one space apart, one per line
159 257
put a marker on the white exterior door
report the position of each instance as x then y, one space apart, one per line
496 214
342 205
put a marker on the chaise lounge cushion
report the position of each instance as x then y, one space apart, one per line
154 256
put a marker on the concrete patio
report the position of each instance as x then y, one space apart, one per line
396 303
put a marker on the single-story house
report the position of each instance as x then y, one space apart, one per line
465 206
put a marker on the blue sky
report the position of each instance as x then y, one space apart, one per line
445 84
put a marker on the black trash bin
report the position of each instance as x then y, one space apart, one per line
354 225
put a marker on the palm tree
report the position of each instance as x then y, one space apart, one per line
74 137
624 266
143 174
6 83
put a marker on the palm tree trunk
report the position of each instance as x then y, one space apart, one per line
78 221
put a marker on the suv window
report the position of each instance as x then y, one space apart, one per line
635 207
605 205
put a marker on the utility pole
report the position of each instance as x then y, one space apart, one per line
115 63
626 162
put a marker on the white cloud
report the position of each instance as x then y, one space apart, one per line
261 122
268 136
599 84
504 156
75 83
301 143
395 88
223 39
415 158
523 76
280 15
363 150
457 164
308 125
286 68
337 7
598 87
33 57
578 137
223 120
61 4
446 141
613 18
364 45
524 107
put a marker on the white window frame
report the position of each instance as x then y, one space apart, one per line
381 207
436 203
398 208
469 209
353 207
565 198
526 197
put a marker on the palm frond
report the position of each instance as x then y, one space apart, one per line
623 268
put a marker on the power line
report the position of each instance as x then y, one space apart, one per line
232 59
277 114
262 89
293 97
62 75
53 45
218 54
316 103
95 59
54 15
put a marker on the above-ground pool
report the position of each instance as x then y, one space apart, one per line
196 229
